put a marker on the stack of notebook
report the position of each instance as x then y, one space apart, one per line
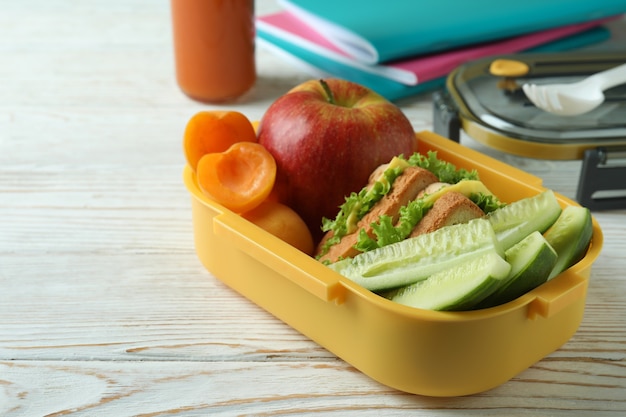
405 47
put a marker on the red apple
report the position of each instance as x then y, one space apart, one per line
327 136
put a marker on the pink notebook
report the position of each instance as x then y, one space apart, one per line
414 70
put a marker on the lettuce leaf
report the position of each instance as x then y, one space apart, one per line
386 233
487 203
445 171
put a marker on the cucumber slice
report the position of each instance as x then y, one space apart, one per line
458 288
532 260
415 259
570 237
515 221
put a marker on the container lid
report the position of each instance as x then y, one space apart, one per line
494 110
485 99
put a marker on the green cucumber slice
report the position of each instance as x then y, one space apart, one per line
570 237
460 287
415 259
515 221
532 260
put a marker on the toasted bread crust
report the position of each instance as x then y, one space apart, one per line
449 209
404 189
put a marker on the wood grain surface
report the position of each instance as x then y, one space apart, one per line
105 310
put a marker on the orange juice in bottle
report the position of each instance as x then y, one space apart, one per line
214 48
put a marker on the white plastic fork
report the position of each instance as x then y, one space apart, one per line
575 98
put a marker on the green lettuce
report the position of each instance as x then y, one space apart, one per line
445 171
386 233
487 203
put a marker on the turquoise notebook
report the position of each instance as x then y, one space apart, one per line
321 66
380 31
412 70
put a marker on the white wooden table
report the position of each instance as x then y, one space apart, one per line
105 309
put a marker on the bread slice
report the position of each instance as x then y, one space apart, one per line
449 209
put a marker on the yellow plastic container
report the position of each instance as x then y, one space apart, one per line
417 351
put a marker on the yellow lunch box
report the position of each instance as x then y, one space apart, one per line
418 351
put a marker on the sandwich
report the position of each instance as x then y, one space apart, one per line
403 199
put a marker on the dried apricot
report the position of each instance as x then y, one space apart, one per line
284 223
240 178
215 131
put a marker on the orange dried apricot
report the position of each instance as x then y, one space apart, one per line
215 131
240 178
284 223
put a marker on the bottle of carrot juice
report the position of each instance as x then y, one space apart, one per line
214 48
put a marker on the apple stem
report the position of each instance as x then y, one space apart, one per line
329 94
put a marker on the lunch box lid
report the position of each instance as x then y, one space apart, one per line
484 98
